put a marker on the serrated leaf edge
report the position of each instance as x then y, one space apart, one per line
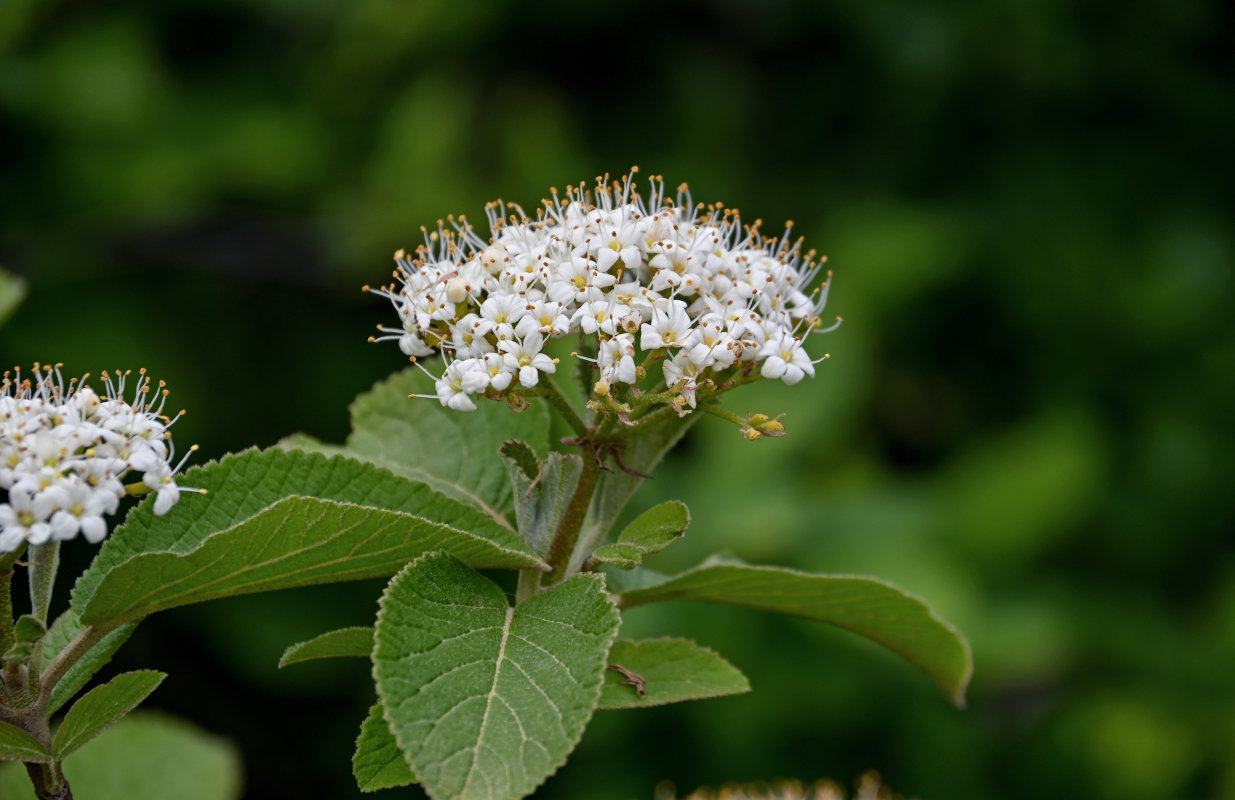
595 577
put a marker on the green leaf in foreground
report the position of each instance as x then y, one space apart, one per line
145 755
102 707
452 452
660 671
648 533
354 642
66 628
378 762
873 608
488 700
17 745
274 520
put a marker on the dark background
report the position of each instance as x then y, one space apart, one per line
1026 419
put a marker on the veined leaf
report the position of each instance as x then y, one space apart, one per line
257 531
66 628
541 500
344 643
488 700
102 707
660 671
17 745
455 453
378 762
648 533
873 608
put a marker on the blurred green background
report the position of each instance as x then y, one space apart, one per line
1027 418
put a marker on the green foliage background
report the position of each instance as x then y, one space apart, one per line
1026 419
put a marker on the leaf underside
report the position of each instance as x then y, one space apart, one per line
102 707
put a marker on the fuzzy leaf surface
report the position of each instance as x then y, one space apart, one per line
17 745
648 533
378 762
867 606
541 499
102 707
455 453
488 700
277 519
669 671
66 628
354 642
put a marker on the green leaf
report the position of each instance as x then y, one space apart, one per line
660 671
867 606
257 531
344 643
378 762
648 533
454 452
66 628
521 455
12 292
145 755
484 699
541 500
17 745
102 707
28 629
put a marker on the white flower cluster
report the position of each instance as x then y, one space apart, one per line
65 452
655 280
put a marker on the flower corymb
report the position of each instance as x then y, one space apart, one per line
643 282
65 453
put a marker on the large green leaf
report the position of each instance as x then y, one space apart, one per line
660 671
870 607
454 452
277 519
102 707
145 755
17 745
378 762
648 533
12 291
66 628
488 700
354 642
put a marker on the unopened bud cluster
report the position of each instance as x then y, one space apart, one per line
65 453
656 280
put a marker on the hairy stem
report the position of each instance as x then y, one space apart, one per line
49 782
